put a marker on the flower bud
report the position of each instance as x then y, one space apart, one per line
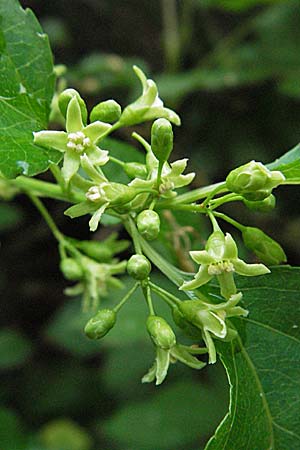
135 170
139 267
108 111
148 224
71 269
188 329
99 325
64 99
253 181
160 332
268 250
265 205
162 139
96 250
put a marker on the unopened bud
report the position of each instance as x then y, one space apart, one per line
162 139
108 111
99 325
139 267
148 224
64 99
71 269
265 205
253 181
135 169
160 332
268 250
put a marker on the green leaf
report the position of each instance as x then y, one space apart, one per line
264 369
26 89
289 165
15 349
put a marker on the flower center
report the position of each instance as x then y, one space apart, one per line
96 193
78 141
220 267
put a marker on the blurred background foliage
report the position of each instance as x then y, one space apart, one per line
231 69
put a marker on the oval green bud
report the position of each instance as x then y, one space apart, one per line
160 332
148 224
71 269
135 169
108 111
96 250
253 181
139 267
162 139
99 325
64 99
188 329
265 205
268 250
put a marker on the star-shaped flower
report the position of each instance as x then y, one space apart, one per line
171 177
76 141
148 106
165 357
211 320
220 259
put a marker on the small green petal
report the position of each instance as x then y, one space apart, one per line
177 167
71 165
52 139
202 257
210 346
96 217
182 355
150 375
249 270
95 130
230 251
74 118
183 180
142 77
227 284
162 112
162 364
97 156
202 277
91 171
81 209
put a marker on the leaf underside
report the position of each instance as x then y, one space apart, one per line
26 89
263 368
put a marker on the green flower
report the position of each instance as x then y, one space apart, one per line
148 106
220 259
163 359
171 177
210 319
95 280
76 141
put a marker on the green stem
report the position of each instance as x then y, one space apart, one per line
142 141
165 295
171 36
135 236
45 189
212 194
213 221
193 196
228 219
147 294
126 297
225 199
48 219
116 161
